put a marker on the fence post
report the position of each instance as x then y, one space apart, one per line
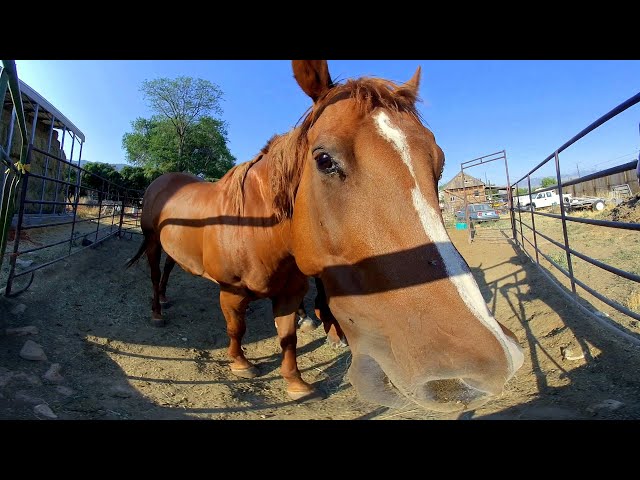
76 199
564 224
533 220
16 243
124 202
100 198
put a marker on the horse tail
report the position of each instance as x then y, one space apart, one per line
139 253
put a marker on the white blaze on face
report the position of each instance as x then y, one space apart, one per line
456 268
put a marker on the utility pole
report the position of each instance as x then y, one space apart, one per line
486 182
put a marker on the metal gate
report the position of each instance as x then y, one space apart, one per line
620 318
55 193
490 231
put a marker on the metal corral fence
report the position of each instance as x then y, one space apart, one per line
564 264
77 209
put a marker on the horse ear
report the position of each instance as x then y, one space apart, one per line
414 82
410 88
312 76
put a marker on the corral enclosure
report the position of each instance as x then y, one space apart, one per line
92 319
101 359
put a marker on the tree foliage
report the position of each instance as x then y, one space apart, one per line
104 171
522 191
548 181
181 135
134 178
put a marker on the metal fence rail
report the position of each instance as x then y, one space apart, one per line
11 176
84 209
107 214
570 253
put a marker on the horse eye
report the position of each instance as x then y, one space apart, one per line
324 162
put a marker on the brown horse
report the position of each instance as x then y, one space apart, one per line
348 196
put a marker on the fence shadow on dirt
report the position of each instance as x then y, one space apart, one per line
93 319
609 375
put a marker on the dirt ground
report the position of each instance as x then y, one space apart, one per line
92 318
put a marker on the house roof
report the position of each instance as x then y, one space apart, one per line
457 182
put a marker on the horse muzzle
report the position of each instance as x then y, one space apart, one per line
434 394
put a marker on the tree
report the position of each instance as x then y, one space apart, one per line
152 145
181 135
182 101
207 148
134 178
104 170
548 181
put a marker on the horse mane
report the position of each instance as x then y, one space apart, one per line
286 153
236 177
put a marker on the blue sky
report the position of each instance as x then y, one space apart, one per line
474 107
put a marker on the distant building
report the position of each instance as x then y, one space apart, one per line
454 192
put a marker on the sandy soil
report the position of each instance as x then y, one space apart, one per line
92 319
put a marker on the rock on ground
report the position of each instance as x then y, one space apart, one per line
608 405
32 351
44 410
19 331
24 397
19 309
53 374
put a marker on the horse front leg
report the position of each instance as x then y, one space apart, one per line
234 307
285 308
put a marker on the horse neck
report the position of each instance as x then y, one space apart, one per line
258 202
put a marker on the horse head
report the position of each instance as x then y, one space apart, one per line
365 220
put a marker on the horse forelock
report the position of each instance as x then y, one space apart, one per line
287 152
368 94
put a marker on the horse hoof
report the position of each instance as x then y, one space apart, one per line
163 300
251 372
338 345
307 325
157 320
304 396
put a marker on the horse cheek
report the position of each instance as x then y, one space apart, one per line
307 246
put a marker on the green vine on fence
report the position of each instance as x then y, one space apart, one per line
13 172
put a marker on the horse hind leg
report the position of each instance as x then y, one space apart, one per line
234 307
335 335
304 321
153 256
169 263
